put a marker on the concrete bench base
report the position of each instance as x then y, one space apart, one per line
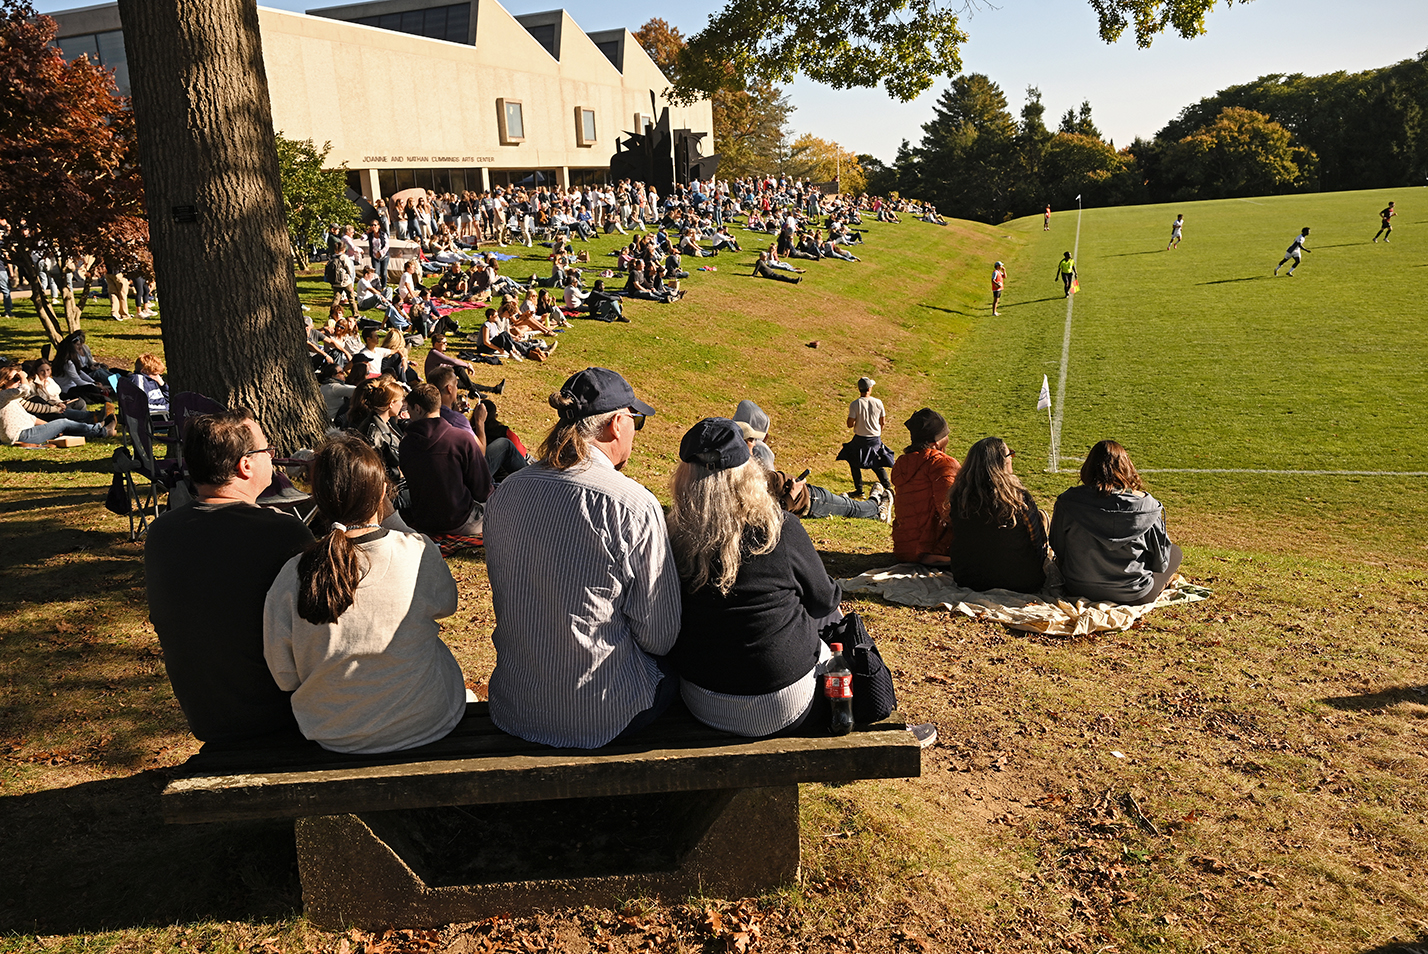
397 868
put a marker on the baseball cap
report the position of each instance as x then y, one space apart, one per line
866 384
598 391
751 420
714 442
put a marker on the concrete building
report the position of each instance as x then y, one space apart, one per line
446 96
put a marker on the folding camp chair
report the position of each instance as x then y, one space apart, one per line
155 475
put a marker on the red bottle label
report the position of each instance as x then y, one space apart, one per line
838 687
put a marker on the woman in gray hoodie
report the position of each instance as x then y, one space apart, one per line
1109 534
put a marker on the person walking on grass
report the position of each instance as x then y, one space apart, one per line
1386 229
1066 271
1294 252
999 282
1046 220
1175 229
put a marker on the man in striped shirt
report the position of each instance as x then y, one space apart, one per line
584 585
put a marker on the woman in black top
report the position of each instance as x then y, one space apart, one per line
998 534
755 591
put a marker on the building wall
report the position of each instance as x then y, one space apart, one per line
388 100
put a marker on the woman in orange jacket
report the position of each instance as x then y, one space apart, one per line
922 478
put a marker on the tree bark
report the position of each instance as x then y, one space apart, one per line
232 323
38 298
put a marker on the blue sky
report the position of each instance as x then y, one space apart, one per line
1053 44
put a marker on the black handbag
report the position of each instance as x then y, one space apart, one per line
874 697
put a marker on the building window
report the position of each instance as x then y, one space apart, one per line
103 49
641 121
544 34
512 121
584 126
451 23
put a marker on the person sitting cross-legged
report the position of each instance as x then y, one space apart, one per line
445 470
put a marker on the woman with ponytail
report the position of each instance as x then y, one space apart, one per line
350 625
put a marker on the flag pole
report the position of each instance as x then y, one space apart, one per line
1051 441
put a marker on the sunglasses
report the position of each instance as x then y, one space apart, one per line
638 418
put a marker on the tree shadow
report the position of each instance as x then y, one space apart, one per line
843 565
950 311
97 856
1415 945
1382 699
42 503
49 465
1229 281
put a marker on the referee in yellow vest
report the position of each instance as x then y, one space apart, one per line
1066 271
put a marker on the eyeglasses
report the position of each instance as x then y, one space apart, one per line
261 450
638 418
1010 453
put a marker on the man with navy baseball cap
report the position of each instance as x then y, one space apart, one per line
584 585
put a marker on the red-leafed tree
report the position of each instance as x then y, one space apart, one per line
69 175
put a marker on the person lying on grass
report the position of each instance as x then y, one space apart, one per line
19 426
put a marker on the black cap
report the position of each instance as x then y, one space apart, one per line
716 443
598 391
926 426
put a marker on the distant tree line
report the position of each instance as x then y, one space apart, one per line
1279 134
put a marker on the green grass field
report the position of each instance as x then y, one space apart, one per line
1276 735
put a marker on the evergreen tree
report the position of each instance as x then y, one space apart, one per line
968 151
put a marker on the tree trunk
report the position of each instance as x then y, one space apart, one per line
232 323
38 298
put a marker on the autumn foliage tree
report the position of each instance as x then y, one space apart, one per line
68 161
314 195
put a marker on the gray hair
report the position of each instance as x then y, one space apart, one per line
717 516
568 443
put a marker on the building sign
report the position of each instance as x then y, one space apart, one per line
440 160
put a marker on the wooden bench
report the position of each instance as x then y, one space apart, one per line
482 823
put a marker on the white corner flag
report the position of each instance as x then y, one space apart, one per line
1043 401
1078 197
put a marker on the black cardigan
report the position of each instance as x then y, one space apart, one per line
761 637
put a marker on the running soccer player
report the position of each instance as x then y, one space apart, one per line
1066 271
1175 229
1386 229
1293 252
999 281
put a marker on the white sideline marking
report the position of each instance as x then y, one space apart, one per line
1055 454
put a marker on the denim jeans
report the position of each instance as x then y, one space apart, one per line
502 457
823 503
52 429
5 289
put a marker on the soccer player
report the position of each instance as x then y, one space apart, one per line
999 281
1386 229
1175 229
1293 252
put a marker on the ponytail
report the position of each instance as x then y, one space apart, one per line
349 482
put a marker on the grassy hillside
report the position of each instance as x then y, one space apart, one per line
1243 774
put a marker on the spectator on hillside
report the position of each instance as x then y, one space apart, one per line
998 534
350 625
20 426
148 377
445 470
1109 534
584 586
923 476
210 625
866 451
763 269
438 357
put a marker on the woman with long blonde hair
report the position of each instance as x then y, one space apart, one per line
755 592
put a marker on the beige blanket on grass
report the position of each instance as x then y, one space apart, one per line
1051 611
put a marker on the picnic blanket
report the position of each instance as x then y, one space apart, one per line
454 543
1051 611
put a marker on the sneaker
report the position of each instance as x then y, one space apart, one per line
885 508
498 389
925 733
549 346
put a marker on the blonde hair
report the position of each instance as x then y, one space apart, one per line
718 517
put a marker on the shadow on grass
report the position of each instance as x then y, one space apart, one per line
1230 281
1417 945
843 565
950 311
49 465
1034 301
97 856
1149 251
1382 699
24 504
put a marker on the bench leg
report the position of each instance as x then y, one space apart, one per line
368 870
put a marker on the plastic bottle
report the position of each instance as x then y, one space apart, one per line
838 687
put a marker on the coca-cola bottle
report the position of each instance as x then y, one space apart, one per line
838 687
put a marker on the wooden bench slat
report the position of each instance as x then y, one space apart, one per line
689 761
